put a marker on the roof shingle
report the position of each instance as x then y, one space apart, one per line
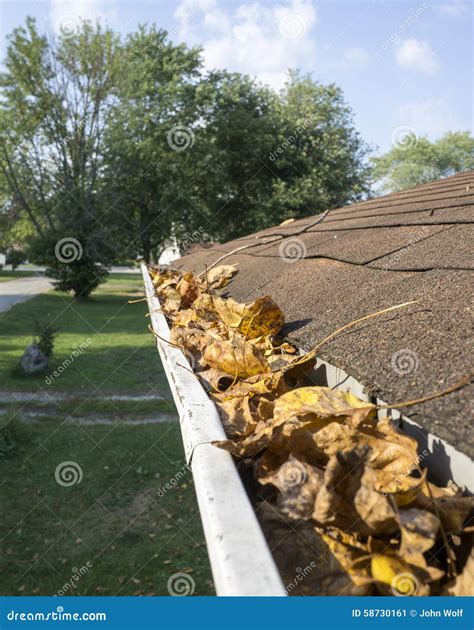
411 245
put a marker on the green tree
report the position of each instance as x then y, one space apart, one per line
57 96
419 161
153 125
231 186
318 158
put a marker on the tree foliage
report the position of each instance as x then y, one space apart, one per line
419 161
123 144
57 99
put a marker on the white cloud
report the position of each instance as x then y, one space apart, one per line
262 40
431 117
414 54
67 15
454 8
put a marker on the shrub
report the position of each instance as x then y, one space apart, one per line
45 335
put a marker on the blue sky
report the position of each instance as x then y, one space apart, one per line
402 65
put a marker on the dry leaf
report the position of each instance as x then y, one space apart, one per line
188 289
259 318
219 276
236 416
238 357
464 583
394 576
350 553
317 405
299 484
348 500
419 531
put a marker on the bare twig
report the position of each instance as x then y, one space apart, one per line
275 236
409 403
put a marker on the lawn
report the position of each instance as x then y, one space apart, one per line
116 519
109 413
119 355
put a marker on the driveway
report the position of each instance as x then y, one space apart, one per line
15 291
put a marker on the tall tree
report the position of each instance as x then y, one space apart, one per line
318 158
150 138
231 186
419 161
57 96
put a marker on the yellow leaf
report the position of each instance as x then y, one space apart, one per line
394 576
257 319
237 358
219 276
312 404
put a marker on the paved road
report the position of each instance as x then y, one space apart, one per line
21 289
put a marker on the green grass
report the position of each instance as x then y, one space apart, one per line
5 276
115 518
120 354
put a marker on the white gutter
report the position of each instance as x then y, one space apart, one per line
240 559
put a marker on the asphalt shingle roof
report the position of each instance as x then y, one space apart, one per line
411 245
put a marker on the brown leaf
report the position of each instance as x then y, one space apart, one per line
453 512
219 276
348 499
172 302
298 484
259 318
317 405
188 289
419 530
464 583
350 553
238 357
237 418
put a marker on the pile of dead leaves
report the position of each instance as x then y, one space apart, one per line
327 460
